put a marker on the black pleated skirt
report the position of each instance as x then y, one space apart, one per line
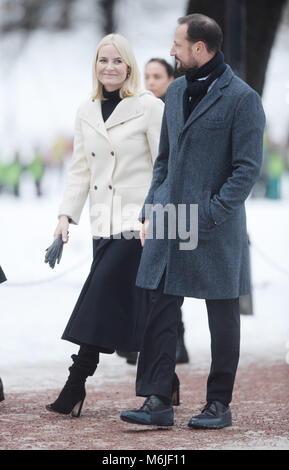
111 310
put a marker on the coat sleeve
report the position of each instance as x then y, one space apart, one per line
247 153
159 171
78 179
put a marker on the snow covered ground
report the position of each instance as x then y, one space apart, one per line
36 301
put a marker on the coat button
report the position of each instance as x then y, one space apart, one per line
110 187
93 154
112 153
95 187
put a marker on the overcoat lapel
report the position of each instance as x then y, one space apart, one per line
128 108
209 99
93 116
180 107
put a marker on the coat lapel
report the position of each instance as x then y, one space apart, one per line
211 97
93 116
180 106
128 108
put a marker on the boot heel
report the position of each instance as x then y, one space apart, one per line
76 411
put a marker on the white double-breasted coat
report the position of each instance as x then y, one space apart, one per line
112 162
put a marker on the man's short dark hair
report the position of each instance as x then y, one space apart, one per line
203 28
168 67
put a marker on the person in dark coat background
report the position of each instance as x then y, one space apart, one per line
2 279
210 154
159 74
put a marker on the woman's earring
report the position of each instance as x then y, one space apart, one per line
128 74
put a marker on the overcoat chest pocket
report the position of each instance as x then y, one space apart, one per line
215 123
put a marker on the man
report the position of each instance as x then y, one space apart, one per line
210 154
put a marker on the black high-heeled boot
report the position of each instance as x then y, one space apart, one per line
1 391
176 391
72 396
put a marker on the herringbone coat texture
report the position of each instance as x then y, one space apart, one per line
213 160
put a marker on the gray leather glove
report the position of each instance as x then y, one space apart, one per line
54 252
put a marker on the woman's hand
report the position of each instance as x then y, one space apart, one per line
143 231
62 228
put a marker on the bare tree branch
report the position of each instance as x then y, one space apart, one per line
28 15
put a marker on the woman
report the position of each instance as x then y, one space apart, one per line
2 279
158 76
116 142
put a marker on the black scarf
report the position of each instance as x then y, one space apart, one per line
197 89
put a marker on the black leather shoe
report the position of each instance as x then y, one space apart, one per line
152 412
215 415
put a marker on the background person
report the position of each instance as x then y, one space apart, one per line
159 74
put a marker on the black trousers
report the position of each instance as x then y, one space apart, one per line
156 364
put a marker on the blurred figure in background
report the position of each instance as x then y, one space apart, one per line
274 169
13 173
158 76
2 175
2 279
36 168
60 149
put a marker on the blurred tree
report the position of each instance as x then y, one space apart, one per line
28 15
107 7
249 28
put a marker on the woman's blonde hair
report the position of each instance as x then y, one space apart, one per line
131 85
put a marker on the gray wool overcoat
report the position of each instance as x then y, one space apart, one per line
212 160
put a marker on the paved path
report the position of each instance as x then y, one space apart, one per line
260 416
